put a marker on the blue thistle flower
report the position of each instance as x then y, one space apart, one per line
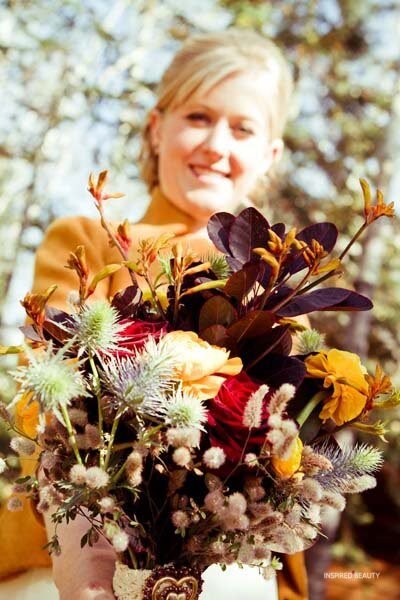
53 381
348 464
141 382
96 328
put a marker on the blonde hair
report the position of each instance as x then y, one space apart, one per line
204 61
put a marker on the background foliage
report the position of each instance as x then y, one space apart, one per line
77 79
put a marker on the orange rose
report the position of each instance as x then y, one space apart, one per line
201 367
344 372
285 468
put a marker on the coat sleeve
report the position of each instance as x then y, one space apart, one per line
63 237
22 534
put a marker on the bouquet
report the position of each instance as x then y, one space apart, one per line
191 419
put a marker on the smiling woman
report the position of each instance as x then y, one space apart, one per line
214 147
216 128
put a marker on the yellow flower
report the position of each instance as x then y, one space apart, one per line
285 468
201 367
27 415
344 372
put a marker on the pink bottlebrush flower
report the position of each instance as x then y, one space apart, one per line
135 477
251 460
334 500
184 436
107 504
214 457
281 398
237 504
77 474
293 517
15 504
180 519
232 523
22 446
214 501
78 416
120 541
256 493
134 461
182 457
254 410
96 478
310 489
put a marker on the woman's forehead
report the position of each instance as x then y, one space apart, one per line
243 95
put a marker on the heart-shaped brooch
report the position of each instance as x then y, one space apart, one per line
173 583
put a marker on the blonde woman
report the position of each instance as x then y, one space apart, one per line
215 130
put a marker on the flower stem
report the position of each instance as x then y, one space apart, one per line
71 434
309 407
342 255
99 409
114 240
112 437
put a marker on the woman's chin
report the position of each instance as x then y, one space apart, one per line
205 202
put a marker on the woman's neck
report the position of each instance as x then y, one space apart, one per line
162 211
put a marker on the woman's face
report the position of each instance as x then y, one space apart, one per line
214 147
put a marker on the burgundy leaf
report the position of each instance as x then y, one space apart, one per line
217 335
279 229
253 324
325 299
324 233
276 341
127 301
216 311
240 283
30 333
218 228
276 369
249 230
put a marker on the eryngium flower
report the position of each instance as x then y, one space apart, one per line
348 466
184 409
53 381
309 341
141 382
96 328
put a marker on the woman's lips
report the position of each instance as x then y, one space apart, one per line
206 175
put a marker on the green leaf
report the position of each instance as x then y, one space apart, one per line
10 350
208 285
105 272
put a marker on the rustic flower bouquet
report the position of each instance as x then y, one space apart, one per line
193 423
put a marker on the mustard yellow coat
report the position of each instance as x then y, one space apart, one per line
22 534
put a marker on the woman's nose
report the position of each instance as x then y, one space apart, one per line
218 140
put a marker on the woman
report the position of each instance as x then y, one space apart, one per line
215 130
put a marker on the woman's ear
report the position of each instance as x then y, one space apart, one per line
155 129
273 154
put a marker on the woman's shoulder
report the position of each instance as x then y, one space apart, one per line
82 226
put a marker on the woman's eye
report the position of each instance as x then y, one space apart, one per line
197 116
244 130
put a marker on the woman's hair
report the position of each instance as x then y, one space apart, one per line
204 61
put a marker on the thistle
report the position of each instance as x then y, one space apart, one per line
309 341
184 409
219 266
348 466
53 381
141 382
96 328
